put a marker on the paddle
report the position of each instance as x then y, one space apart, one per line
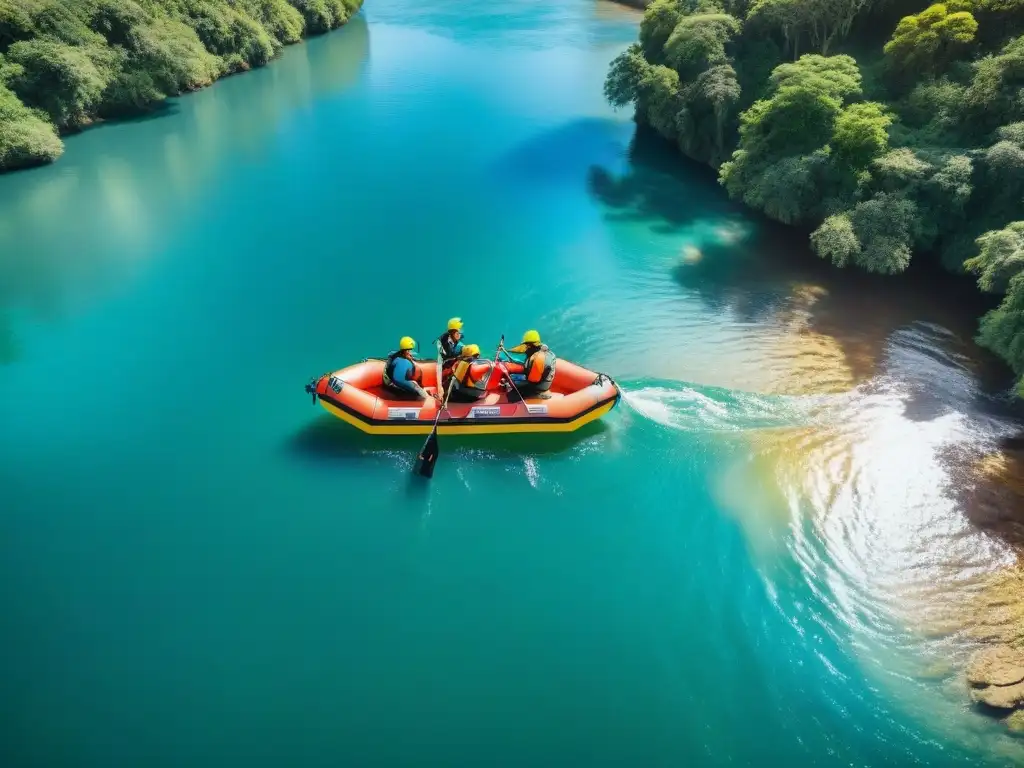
428 454
518 398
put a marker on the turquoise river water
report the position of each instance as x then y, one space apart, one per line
741 565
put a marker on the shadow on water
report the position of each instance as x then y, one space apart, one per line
107 205
328 438
562 154
659 187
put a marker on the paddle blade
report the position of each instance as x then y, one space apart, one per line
428 456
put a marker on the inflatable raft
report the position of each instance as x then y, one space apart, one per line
355 394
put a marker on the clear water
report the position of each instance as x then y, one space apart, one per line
736 567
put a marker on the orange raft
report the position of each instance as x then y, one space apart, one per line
355 394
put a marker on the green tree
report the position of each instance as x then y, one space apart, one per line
821 22
929 40
698 42
719 87
992 99
1000 257
660 92
886 226
26 137
65 81
660 19
1002 329
836 241
627 71
861 133
835 76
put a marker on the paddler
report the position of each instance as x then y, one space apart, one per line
401 376
451 342
532 376
472 375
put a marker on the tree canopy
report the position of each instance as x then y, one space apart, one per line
66 63
889 138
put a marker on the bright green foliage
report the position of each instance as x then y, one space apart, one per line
659 21
993 97
836 241
628 69
861 134
927 41
698 42
885 226
876 235
786 190
1000 257
795 120
659 90
835 76
79 60
785 164
324 15
1002 329
64 80
26 138
282 21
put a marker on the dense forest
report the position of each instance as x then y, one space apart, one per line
891 130
67 63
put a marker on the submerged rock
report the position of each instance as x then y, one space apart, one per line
996 677
1015 722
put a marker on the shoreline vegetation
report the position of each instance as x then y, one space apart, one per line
67 64
891 131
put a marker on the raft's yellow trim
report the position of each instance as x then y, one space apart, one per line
468 429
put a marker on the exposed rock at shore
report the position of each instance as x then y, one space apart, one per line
996 677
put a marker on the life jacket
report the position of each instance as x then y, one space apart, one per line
448 348
540 356
469 384
389 372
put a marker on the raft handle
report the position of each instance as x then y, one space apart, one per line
311 386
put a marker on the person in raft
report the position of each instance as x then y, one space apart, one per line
401 376
472 375
532 376
451 342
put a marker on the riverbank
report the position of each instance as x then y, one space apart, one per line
845 144
64 67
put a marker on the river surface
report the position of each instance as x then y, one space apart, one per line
746 563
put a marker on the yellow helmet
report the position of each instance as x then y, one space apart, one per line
470 350
407 342
455 324
531 337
